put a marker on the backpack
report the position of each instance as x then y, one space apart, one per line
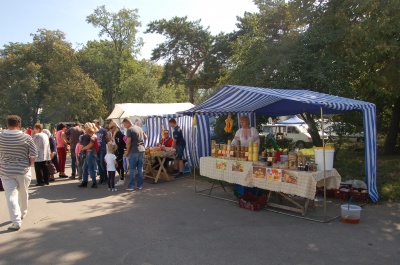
96 146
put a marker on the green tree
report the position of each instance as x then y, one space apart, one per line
185 50
141 84
44 81
19 84
121 28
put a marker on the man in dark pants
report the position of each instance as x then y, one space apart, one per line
179 144
102 140
73 136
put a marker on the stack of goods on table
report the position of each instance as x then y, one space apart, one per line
235 152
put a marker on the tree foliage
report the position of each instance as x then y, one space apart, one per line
186 48
121 28
42 81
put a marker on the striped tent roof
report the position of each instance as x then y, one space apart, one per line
278 102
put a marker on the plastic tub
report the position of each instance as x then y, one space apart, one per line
319 158
351 213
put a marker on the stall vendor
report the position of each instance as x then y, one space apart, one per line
166 140
246 134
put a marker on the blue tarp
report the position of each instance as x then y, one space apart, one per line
279 102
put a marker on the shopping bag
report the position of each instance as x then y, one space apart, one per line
51 169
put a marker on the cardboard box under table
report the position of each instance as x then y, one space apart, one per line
285 183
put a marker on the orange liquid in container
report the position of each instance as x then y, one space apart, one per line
350 221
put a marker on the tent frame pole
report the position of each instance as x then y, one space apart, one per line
323 150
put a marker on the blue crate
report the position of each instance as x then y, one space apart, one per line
240 190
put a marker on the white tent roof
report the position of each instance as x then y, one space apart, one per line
124 110
293 120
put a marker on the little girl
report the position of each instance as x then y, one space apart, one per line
112 164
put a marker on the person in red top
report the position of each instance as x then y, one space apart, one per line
166 140
62 145
29 130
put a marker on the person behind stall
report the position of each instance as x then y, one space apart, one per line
246 134
179 144
165 141
111 162
117 140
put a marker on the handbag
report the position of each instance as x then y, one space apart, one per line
51 169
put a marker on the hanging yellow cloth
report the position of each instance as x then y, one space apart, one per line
228 124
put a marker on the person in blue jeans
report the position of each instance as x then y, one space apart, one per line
87 141
102 140
135 151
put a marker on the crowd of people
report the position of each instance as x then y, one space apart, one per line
94 150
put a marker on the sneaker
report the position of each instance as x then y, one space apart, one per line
114 189
120 182
140 188
72 177
63 176
110 189
15 227
179 175
130 189
176 173
94 185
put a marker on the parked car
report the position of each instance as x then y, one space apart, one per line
297 132
335 130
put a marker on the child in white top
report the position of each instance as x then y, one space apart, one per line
111 162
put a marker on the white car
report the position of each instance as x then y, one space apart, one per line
297 132
335 130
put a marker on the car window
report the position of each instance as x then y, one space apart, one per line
292 129
267 129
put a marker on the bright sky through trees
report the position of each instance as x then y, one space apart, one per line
18 19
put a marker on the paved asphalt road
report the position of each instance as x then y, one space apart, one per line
167 223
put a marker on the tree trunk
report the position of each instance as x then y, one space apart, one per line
393 130
191 95
313 130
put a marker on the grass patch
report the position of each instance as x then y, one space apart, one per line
350 163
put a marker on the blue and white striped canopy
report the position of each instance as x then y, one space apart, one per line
278 102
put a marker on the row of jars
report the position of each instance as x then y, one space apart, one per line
228 151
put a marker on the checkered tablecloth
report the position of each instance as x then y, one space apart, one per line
305 186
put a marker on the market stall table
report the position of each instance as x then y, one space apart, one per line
286 183
157 171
